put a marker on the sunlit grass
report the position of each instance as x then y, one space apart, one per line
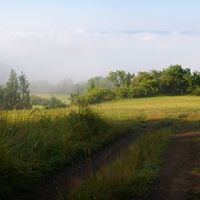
151 108
34 142
129 176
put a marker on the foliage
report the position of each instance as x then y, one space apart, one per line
37 100
174 80
53 102
120 78
93 96
85 122
123 93
144 84
34 143
25 101
16 93
194 83
73 98
2 97
98 82
196 91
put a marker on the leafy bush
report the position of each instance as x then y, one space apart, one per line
196 91
36 100
123 93
94 96
53 103
85 122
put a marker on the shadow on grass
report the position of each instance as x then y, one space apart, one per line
61 180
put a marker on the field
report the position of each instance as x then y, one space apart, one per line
36 142
62 97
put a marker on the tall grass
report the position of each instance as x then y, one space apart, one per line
33 146
35 142
131 174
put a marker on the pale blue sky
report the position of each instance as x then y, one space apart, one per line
82 39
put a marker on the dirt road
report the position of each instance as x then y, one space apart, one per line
177 179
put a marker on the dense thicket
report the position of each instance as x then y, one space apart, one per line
173 80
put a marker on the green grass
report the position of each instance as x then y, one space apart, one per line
62 97
131 174
35 142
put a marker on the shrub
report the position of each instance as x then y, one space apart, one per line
123 93
196 91
36 100
53 103
93 96
85 122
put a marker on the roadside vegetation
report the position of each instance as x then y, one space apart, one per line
129 176
33 143
134 172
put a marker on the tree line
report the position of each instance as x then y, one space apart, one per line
15 94
174 80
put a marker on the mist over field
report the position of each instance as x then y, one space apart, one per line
52 41
81 55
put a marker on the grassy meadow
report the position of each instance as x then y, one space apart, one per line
132 174
33 143
62 97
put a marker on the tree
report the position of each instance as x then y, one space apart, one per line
120 78
2 97
174 80
144 84
15 95
25 100
92 84
12 96
194 83
98 82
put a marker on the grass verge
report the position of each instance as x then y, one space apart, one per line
34 143
131 174
34 146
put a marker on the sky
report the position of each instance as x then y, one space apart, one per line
80 39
